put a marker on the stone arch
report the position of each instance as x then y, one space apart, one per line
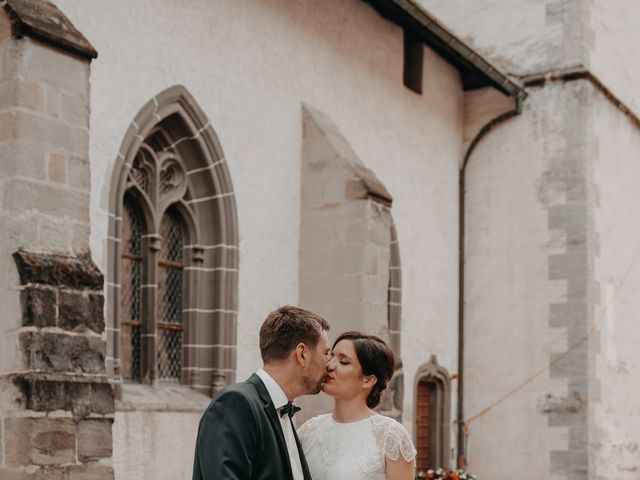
392 403
172 127
432 400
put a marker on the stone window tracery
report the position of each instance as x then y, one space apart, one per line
172 283
151 322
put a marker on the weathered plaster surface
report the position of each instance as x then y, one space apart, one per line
613 56
526 37
616 421
589 222
154 444
528 277
482 108
522 37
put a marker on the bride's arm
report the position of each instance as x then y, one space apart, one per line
399 469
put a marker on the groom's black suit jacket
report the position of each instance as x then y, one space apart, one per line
240 437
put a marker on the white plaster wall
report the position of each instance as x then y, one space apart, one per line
507 294
617 411
250 65
164 444
613 56
522 37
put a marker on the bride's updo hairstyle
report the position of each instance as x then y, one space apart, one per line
376 358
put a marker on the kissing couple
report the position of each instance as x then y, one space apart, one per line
247 432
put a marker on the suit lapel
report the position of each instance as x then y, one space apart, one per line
272 415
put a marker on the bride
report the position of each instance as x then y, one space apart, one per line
354 442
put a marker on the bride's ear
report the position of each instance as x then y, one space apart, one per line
368 381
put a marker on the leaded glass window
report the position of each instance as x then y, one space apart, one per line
131 276
152 264
170 286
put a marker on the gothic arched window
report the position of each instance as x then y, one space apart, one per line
173 272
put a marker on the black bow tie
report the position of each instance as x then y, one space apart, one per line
289 408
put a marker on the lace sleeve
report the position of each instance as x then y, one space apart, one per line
308 428
398 442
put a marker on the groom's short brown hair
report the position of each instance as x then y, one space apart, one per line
287 326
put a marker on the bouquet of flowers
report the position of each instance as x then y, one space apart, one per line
442 474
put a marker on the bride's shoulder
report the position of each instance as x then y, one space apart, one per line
384 422
312 424
387 426
393 438
317 419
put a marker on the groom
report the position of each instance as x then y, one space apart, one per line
246 432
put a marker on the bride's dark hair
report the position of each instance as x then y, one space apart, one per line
376 358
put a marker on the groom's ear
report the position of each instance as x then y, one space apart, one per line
300 351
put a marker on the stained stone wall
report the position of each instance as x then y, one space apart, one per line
56 406
59 422
44 166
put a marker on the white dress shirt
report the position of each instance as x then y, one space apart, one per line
279 399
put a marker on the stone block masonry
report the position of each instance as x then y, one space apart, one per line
44 137
66 404
572 196
56 404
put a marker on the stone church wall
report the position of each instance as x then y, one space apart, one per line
250 66
530 283
56 404
577 140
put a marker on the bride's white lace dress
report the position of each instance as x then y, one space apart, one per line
353 451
